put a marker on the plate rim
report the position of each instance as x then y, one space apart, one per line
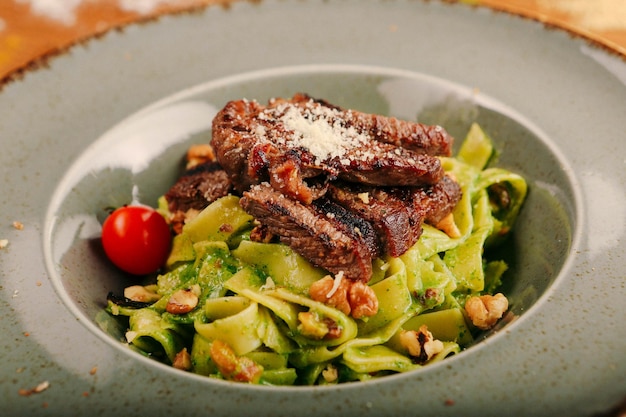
45 59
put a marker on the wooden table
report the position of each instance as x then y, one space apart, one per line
31 30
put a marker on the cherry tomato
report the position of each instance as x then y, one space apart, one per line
136 239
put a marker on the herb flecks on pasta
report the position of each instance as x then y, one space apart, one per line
236 305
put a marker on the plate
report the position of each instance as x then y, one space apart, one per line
557 102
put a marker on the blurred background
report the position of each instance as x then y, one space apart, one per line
31 30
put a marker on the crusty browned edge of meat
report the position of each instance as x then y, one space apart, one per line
324 233
397 213
194 190
397 224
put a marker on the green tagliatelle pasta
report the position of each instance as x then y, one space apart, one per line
254 320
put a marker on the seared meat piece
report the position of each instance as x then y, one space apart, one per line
324 233
437 200
396 221
291 143
397 213
390 169
196 189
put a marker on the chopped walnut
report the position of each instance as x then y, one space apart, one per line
199 154
484 311
141 294
420 344
311 326
233 367
18 225
261 234
330 373
36 390
182 360
332 292
362 300
350 297
449 227
184 300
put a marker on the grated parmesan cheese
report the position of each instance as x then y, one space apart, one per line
336 284
269 284
318 129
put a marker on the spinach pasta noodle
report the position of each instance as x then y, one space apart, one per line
253 319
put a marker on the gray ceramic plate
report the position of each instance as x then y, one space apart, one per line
114 116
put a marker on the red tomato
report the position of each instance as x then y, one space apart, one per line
136 239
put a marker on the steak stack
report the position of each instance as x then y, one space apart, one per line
338 186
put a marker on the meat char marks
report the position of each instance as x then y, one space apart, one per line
397 213
323 232
338 186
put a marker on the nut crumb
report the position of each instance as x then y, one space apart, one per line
183 300
93 370
4 243
36 390
141 293
199 154
18 225
182 360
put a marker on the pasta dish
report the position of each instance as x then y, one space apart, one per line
317 245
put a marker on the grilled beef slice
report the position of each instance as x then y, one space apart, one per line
397 213
323 232
397 223
308 139
437 200
195 189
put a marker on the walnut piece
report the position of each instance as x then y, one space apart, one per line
199 154
350 297
420 344
182 360
449 227
141 294
184 300
330 373
233 367
322 291
484 311
311 326
362 299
